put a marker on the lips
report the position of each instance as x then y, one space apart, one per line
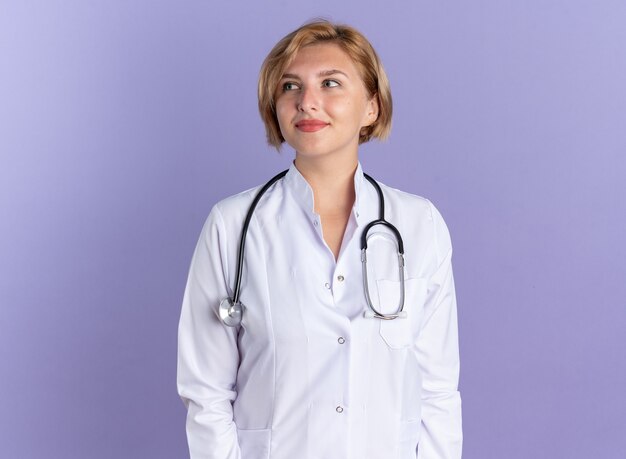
311 125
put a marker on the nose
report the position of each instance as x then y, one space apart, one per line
308 100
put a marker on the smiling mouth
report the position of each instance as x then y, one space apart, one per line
310 125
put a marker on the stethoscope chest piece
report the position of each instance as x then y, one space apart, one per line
231 312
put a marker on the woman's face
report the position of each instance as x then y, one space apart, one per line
322 103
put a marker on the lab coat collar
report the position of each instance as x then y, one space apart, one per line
303 193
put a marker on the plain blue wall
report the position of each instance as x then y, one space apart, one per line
122 122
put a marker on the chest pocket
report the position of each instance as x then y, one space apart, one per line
400 333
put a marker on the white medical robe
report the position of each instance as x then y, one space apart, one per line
307 375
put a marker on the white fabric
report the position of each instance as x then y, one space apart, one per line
306 375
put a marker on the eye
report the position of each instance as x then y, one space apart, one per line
330 83
289 86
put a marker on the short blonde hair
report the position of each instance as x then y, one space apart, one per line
355 45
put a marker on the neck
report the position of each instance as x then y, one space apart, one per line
332 182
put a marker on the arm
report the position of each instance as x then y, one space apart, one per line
438 352
207 350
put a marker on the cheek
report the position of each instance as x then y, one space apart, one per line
284 103
353 113
339 107
281 115
348 108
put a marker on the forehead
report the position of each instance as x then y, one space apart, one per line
320 57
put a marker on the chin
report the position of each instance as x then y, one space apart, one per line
312 151
309 148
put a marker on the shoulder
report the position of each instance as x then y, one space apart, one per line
416 205
419 212
228 213
235 207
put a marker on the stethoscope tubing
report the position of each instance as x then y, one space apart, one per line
381 219
244 232
231 310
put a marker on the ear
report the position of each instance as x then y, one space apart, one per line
371 111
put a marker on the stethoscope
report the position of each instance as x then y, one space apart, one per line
231 309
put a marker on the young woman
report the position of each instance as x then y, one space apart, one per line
317 354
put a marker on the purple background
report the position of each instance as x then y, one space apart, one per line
121 123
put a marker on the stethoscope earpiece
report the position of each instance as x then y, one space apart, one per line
369 314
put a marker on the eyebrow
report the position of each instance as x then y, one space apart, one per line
323 73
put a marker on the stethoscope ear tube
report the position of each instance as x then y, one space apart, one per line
373 312
385 223
381 218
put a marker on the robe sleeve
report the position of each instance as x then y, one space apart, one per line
438 353
208 357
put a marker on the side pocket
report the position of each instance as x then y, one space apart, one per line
409 437
399 333
254 444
